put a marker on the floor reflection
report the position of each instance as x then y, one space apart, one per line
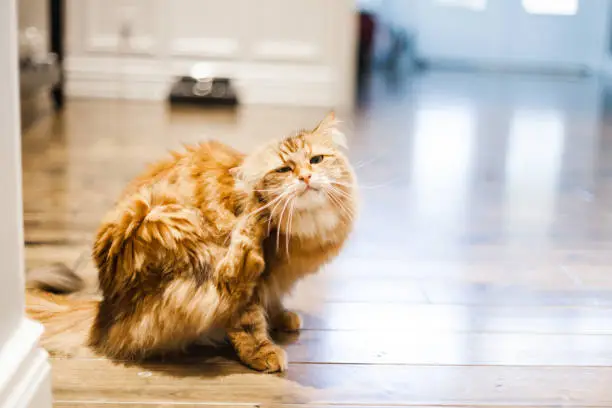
486 159
533 170
442 158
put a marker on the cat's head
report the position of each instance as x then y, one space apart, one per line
304 172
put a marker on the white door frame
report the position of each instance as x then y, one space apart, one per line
24 367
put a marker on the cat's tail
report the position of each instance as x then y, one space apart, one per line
67 321
55 278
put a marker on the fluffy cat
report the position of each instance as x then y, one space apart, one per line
209 239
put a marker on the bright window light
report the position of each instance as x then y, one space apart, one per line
474 5
558 7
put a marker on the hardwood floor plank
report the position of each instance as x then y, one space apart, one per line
429 348
128 404
131 404
466 293
324 288
453 318
452 291
100 380
438 348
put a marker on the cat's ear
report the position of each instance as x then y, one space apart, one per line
330 128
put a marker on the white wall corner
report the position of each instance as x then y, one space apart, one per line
25 372
24 367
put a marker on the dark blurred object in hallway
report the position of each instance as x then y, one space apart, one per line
40 64
367 27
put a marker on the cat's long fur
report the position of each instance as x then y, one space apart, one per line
182 253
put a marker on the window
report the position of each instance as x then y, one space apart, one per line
555 7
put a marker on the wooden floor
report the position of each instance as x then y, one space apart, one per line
480 273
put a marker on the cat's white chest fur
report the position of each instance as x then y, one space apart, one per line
311 224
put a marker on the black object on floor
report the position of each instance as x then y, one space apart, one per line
205 92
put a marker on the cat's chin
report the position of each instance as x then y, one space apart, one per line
314 222
310 200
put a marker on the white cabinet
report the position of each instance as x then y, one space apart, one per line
118 26
208 29
299 52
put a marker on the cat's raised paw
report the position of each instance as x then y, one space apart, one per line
242 262
269 358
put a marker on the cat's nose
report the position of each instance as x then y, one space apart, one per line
305 178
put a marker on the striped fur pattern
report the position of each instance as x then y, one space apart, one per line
209 240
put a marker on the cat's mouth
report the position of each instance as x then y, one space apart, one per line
306 190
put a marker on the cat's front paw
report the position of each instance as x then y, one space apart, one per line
269 358
287 321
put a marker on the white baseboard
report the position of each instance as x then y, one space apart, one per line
257 83
25 373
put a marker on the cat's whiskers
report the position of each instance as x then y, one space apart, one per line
343 184
338 203
341 192
362 163
258 210
289 226
280 223
286 192
271 190
342 200
364 186
343 196
276 200
347 213
273 211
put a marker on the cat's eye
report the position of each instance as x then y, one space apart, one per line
284 169
316 159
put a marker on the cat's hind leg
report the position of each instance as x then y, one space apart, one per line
282 319
279 317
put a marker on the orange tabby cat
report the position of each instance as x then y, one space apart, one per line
210 239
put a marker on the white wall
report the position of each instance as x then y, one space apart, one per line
279 51
11 236
24 370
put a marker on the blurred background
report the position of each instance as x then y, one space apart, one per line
481 135
302 52
492 103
